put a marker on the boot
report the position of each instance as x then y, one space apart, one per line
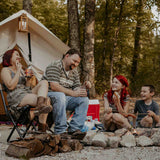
47 102
40 101
43 106
42 127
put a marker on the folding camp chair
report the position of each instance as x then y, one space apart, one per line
22 120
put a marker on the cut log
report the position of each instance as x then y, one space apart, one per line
24 148
64 146
55 150
42 144
43 137
54 140
64 149
46 151
75 144
18 152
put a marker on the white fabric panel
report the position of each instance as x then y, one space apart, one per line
7 36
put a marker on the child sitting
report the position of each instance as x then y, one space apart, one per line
116 102
147 108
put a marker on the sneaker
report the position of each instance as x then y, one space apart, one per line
77 134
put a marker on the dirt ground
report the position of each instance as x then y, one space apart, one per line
96 153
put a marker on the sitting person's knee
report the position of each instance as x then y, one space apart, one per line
116 116
57 95
84 100
107 116
58 100
119 119
44 82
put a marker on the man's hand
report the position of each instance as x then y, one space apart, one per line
150 113
87 84
80 93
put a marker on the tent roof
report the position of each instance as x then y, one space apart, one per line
37 26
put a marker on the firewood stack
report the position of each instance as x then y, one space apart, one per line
43 144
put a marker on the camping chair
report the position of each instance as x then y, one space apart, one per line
22 120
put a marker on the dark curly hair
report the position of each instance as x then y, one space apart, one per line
71 52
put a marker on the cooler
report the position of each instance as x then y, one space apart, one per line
93 109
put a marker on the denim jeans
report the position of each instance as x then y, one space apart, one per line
61 103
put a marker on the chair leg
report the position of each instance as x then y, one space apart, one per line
13 129
24 134
11 134
33 126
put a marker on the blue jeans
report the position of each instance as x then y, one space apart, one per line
61 103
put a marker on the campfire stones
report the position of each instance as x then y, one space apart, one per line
128 141
88 138
113 142
146 131
99 140
156 138
144 141
121 132
109 134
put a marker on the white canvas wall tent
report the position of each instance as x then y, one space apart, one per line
45 46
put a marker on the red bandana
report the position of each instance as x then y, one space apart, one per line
124 92
122 79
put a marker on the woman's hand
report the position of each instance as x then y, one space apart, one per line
108 110
116 98
18 66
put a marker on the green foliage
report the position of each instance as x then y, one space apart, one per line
8 7
147 62
53 15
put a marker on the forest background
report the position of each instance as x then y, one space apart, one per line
114 36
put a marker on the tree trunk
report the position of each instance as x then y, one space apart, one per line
73 24
27 5
88 59
137 41
106 23
115 40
